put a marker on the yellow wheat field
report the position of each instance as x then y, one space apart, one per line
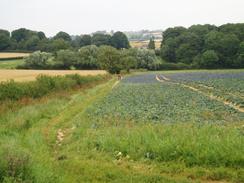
13 55
30 75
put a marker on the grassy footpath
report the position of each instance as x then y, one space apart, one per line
56 141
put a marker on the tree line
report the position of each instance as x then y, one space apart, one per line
27 40
93 57
205 46
199 46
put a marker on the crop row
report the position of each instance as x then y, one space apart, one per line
229 85
162 102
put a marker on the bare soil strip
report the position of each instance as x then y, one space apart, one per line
225 102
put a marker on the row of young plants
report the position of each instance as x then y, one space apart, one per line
43 85
164 103
228 85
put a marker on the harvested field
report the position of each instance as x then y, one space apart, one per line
6 55
144 44
30 75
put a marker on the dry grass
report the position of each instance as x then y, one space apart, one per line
144 44
13 55
30 75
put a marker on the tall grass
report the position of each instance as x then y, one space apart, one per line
191 144
44 85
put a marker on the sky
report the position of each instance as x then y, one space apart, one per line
86 16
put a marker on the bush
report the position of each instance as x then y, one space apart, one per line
43 85
145 58
173 66
38 60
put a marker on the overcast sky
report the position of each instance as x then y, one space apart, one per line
86 16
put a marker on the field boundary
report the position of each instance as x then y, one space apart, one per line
212 97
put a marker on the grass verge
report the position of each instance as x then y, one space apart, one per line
112 150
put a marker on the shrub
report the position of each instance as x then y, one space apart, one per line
38 60
43 85
173 66
14 164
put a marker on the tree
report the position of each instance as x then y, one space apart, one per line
4 41
101 39
173 32
66 59
151 44
5 32
109 59
21 34
128 59
63 35
168 50
209 59
41 35
88 57
38 60
119 40
85 40
185 53
32 43
76 41
239 62
241 48
58 44
145 58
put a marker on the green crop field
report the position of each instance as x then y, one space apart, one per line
178 126
10 64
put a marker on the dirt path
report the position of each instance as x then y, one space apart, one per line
162 78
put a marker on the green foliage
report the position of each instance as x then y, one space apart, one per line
161 102
85 40
4 40
119 40
38 60
66 59
209 59
172 66
58 44
21 34
113 150
62 35
11 64
44 85
88 57
151 44
109 59
188 45
193 144
101 39
146 59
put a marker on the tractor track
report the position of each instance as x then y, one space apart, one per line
162 78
